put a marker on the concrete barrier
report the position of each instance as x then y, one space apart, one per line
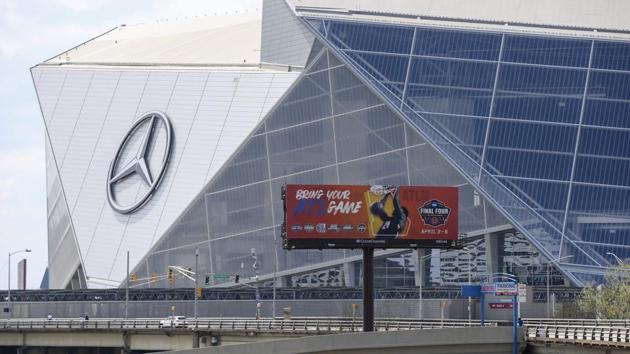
488 340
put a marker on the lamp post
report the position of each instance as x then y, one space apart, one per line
127 290
549 263
421 276
255 265
196 282
617 258
468 250
9 285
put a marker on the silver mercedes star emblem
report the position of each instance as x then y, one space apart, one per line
139 161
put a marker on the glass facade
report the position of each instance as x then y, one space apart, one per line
532 129
539 124
328 128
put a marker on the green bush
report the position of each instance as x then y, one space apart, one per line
610 300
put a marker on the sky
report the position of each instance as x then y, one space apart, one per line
31 32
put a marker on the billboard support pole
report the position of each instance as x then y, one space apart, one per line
368 289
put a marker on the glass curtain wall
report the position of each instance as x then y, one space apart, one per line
328 128
539 123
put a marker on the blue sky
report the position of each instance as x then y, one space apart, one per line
31 32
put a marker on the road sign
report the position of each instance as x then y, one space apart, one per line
507 288
487 288
522 293
471 290
500 305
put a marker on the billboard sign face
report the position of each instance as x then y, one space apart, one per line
351 216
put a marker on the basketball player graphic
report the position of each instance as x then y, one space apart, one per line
394 223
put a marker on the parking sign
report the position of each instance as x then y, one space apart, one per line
505 289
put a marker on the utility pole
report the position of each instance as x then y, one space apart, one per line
127 290
255 265
469 283
196 281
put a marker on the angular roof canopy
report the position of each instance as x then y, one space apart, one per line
232 40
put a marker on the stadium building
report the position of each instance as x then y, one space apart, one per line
169 137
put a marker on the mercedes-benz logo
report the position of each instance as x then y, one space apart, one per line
138 163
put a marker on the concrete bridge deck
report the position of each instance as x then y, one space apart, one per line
149 335
472 340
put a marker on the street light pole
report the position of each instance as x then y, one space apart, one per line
9 287
127 290
255 265
9 277
549 263
469 283
548 281
196 281
467 250
617 258
419 268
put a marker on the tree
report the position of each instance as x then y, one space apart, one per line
610 300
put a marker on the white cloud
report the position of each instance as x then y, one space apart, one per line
6 187
77 5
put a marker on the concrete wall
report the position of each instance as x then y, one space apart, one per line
453 340
456 309
571 349
98 339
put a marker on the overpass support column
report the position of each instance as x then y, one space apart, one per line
195 339
349 276
126 349
420 257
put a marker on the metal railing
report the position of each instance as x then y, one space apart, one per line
187 294
579 334
577 322
568 331
317 325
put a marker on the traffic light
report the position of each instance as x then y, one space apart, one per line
237 278
133 277
171 276
199 293
207 280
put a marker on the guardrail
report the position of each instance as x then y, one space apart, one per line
267 325
579 334
576 322
568 331
187 294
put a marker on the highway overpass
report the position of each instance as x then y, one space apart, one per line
106 336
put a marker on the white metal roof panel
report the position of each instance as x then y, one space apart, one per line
207 40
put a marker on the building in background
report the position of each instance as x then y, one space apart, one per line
172 136
21 272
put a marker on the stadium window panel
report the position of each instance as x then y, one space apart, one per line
611 55
370 37
546 51
457 44
542 80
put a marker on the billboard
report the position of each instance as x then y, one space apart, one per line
379 216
